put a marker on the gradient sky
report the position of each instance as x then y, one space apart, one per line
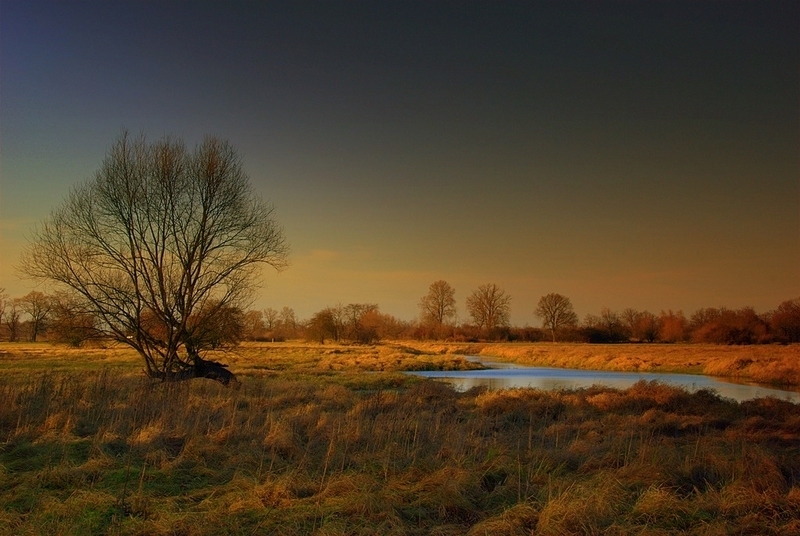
625 154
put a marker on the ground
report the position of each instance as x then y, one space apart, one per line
313 441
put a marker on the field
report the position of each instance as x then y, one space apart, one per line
315 441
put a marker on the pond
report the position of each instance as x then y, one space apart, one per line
509 375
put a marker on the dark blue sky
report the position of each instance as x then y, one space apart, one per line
639 154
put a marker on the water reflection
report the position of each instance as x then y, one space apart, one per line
509 375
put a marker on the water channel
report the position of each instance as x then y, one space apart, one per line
509 375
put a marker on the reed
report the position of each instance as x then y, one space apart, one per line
301 449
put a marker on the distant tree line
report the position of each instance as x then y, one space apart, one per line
55 318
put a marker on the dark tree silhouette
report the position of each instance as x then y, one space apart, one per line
786 320
438 306
37 305
159 246
489 306
556 313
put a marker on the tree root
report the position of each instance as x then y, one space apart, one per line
202 368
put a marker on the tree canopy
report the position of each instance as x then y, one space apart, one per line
438 306
556 313
489 306
162 246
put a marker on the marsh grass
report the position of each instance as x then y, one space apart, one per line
777 365
314 442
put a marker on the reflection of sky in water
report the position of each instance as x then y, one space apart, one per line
506 376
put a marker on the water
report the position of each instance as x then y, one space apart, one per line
509 375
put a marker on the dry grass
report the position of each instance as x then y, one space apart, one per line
769 364
313 442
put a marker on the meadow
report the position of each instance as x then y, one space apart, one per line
336 440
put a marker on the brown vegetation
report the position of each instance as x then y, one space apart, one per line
769 364
310 444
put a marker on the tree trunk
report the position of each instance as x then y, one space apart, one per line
213 370
202 368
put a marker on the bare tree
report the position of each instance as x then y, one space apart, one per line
323 325
158 244
438 306
37 306
12 319
641 325
786 320
556 313
69 323
288 322
253 325
673 326
3 304
612 325
270 317
630 318
354 328
489 306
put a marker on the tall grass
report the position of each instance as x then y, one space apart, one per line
769 364
301 449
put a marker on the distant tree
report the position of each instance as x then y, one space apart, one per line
785 321
271 323
704 324
353 318
490 307
592 329
3 304
288 321
704 316
556 313
69 322
161 245
640 325
612 325
37 306
323 325
13 319
271 317
369 327
390 327
253 325
673 326
607 327
728 326
628 317
225 327
438 306
528 334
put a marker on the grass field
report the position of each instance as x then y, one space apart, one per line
313 441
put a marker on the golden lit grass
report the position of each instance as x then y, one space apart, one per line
770 364
93 452
314 442
253 358
18 360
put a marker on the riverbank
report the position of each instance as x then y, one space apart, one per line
777 365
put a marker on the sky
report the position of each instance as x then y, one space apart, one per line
623 154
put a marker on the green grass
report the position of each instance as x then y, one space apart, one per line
300 448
